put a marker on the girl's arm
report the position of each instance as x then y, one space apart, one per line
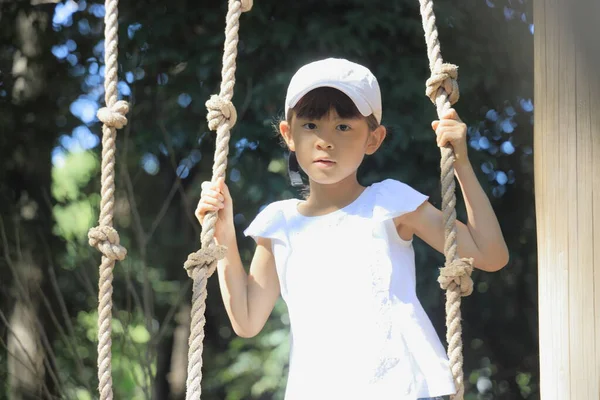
249 298
481 238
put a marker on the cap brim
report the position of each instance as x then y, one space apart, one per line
361 104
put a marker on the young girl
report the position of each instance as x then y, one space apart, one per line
343 259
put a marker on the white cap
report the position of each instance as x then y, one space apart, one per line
354 80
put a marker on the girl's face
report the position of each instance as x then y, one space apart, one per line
331 148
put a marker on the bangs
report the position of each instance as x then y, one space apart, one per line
319 102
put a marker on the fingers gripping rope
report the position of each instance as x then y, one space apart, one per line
246 5
221 117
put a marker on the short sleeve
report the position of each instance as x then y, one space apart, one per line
394 198
269 223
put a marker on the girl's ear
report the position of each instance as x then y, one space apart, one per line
375 139
286 133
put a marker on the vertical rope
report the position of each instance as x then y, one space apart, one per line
455 276
202 264
104 237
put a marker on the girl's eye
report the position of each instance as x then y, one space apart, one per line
343 127
309 126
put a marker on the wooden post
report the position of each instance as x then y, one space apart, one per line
567 191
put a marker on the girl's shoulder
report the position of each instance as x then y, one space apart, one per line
393 198
271 220
392 185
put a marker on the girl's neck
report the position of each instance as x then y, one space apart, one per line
325 198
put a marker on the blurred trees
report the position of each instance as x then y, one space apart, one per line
28 247
170 57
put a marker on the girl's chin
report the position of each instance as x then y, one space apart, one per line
325 179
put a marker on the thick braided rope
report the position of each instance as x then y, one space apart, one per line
455 277
104 237
202 264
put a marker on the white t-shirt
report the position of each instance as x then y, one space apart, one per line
358 330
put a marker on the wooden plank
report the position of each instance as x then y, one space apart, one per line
587 37
549 174
564 187
543 201
583 369
567 178
567 210
595 241
591 12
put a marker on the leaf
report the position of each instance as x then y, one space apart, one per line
139 334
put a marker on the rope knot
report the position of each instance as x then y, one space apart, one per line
204 258
114 116
457 272
220 111
106 240
246 5
443 77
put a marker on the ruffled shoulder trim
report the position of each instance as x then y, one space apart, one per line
394 198
270 223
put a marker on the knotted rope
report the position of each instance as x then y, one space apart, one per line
104 237
106 240
202 264
455 276
203 258
443 77
114 116
458 273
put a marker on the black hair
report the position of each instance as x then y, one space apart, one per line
319 102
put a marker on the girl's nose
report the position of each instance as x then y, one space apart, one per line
323 144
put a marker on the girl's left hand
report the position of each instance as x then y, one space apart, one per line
451 130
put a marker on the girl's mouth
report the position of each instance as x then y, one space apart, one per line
324 163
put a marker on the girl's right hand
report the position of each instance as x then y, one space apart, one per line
216 197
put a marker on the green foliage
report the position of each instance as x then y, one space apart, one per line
259 365
73 173
128 361
75 213
73 220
